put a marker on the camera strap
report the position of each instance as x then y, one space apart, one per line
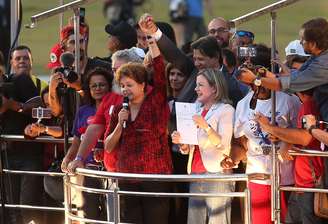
38 85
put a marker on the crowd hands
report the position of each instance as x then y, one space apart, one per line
234 123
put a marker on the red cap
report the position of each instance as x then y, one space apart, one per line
55 54
69 30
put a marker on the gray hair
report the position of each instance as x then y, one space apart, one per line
216 79
128 55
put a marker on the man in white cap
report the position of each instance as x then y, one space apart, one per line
295 55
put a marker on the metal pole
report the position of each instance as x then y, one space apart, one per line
248 205
76 19
116 202
61 16
67 199
274 179
2 184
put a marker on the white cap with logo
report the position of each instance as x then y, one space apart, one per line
295 48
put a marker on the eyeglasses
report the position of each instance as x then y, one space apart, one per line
99 85
243 33
220 30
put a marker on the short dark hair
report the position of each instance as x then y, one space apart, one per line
290 59
316 30
263 56
133 70
96 71
19 48
230 57
208 46
44 92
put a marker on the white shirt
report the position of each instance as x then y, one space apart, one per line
286 115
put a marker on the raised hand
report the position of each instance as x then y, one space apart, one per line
147 24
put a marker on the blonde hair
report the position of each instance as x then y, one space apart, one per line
216 79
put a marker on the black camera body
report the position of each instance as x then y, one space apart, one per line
69 74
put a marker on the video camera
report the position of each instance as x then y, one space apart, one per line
67 60
246 52
6 88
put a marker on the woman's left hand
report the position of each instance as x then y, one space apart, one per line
200 121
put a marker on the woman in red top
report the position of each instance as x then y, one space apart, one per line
142 146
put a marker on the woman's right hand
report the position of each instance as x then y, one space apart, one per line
64 164
123 115
71 168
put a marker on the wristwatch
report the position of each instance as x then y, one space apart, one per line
258 81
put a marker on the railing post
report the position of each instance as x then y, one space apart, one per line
116 203
247 205
67 199
275 202
2 188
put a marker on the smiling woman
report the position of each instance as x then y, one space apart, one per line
142 145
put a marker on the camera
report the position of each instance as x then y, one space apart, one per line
245 52
69 74
6 88
41 113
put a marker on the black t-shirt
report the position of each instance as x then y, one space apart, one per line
14 123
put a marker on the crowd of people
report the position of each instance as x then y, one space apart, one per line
127 121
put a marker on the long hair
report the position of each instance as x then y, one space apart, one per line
216 79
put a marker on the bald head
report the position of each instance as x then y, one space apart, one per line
219 28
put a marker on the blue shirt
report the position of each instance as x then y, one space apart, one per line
313 74
195 8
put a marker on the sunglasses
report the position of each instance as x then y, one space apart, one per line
243 33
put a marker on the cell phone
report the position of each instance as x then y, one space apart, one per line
244 52
41 113
82 15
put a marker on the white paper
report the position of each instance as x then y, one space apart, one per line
185 125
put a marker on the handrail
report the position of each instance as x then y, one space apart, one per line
267 9
42 139
307 152
160 177
55 11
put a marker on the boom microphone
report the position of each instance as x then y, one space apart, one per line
125 106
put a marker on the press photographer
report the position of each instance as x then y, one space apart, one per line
65 73
22 155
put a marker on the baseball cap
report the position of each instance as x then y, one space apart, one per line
124 32
55 53
295 48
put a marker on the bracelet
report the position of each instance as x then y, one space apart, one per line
311 128
46 130
79 158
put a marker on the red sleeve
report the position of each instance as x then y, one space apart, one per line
99 118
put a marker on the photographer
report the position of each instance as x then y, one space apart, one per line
311 124
22 155
67 42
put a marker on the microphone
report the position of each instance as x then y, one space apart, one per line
67 59
125 105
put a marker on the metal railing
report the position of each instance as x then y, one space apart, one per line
116 192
